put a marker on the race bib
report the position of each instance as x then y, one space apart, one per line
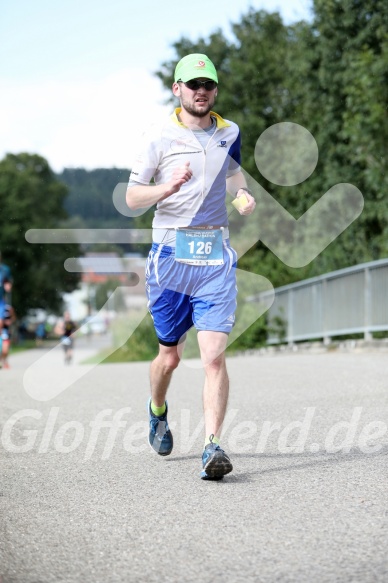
199 246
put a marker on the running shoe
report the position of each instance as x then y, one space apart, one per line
160 436
216 463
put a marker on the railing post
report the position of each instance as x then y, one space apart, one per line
326 338
367 304
290 319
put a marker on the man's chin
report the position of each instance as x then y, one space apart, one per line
193 109
202 112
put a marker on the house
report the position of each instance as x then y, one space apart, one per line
97 269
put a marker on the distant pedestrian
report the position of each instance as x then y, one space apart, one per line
66 328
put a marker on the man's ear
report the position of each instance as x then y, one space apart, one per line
176 89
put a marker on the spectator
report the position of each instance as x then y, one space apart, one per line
5 289
8 319
40 334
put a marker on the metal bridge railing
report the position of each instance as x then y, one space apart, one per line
347 301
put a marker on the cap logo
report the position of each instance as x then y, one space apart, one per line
201 64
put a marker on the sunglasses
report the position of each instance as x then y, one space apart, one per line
195 84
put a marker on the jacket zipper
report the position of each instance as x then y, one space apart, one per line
204 164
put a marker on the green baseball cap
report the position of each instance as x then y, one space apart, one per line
194 66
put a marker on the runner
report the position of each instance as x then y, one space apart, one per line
193 157
65 328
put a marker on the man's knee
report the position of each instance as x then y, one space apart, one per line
169 358
214 362
212 346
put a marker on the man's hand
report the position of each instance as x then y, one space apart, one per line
236 185
180 175
7 286
246 209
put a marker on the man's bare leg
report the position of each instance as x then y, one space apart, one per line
215 462
216 389
160 437
161 371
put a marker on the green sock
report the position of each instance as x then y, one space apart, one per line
158 411
213 439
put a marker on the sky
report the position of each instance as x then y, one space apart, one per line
77 82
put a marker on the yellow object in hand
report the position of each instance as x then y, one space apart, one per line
240 202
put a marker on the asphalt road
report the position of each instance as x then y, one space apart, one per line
84 499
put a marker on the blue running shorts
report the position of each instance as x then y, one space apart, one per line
2 308
181 295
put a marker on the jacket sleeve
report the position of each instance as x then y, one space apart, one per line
148 157
234 156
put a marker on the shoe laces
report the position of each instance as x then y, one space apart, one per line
159 426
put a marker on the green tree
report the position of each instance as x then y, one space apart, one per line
90 195
32 198
265 86
351 127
